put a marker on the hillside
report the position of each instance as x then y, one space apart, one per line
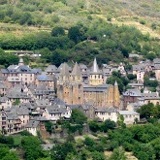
47 14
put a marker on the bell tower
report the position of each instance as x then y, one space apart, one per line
76 81
96 77
63 85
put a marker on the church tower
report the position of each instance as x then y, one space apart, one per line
69 85
116 95
96 77
64 74
63 84
76 81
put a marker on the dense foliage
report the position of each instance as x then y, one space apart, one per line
121 80
32 148
7 59
82 43
96 126
150 112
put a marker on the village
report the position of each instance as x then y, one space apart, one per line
30 96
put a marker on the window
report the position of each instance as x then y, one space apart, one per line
3 118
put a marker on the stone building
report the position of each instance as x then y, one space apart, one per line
72 90
69 85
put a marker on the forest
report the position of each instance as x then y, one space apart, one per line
82 43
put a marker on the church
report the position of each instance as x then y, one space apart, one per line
72 89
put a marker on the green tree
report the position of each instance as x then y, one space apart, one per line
60 151
89 142
131 76
94 126
146 110
71 156
49 126
120 121
98 156
58 57
77 33
32 148
58 31
26 18
74 34
108 124
6 154
118 154
78 117
156 145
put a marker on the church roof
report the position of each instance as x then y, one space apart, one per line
98 88
64 70
76 70
95 68
51 68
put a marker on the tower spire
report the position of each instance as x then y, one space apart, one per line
64 70
76 70
95 66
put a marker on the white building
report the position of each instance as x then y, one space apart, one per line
113 114
130 116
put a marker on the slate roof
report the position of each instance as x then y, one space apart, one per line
132 92
42 102
82 66
3 99
12 116
57 109
58 101
51 68
41 90
27 105
21 69
152 95
64 70
128 113
22 111
135 84
76 70
99 88
106 110
44 77
86 107
156 61
156 66
32 124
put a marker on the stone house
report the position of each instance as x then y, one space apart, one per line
130 116
131 96
106 113
17 74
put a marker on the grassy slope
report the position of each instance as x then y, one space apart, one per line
128 12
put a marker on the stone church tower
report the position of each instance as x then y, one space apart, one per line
116 95
96 77
69 86
76 82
